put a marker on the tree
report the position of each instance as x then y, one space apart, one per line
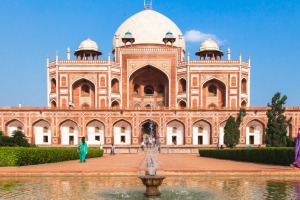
276 132
20 139
232 131
229 136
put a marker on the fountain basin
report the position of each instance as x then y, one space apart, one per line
152 184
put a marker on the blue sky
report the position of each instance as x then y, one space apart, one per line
267 30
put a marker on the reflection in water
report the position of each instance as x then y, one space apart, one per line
174 187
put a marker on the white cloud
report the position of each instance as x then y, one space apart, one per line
198 36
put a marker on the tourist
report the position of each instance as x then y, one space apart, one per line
82 150
222 147
158 145
217 146
112 151
150 143
297 152
142 145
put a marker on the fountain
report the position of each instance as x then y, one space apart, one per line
150 179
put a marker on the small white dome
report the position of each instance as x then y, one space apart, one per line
149 27
88 44
209 44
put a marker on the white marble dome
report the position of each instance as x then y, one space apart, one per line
208 45
149 27
88 44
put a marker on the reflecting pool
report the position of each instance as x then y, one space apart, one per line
173 187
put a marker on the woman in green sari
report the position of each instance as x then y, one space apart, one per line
82 149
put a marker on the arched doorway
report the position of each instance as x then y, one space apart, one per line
149 85
122 133
95 131
42 133
214 93
254 133
201 133
148 129
69 133
83 93
175 133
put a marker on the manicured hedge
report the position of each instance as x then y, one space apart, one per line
270 155
20 156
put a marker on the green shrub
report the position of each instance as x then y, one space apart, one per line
20 156
270 155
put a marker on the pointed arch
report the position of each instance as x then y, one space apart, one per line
181 85
69 132
244 85
214 92
153 87
53 85
95 132
42 132
122 132
255 132
177 137
14 125
115 104
83 92
115 85
201 131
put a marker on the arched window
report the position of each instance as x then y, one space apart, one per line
148 90
244 86
115 85
53 104
251 129
182 85
212 90
115 104
182 104
53 85
244 104
85 90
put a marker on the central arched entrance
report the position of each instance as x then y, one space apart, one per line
148 130
149 85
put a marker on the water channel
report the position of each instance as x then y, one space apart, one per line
129 187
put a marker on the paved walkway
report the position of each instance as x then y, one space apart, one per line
133 164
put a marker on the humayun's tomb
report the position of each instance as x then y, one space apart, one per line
147 81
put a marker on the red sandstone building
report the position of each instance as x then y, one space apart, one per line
148 81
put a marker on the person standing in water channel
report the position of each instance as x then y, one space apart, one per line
82 150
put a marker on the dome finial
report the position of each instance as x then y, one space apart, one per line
148 6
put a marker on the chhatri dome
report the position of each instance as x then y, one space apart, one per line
149 27
209 44
87 50
209 49
88 44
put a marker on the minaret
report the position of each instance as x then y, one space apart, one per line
228 54
68 53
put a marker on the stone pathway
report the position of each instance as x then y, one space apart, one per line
168 164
